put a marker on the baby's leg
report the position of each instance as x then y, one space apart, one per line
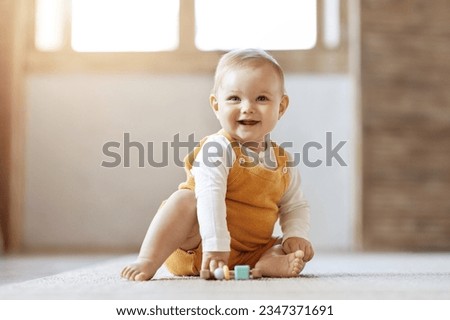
275 263
174 225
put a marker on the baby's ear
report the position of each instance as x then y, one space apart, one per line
284 103
213 102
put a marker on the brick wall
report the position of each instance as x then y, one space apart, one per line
405 70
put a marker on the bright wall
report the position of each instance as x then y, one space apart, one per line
73 202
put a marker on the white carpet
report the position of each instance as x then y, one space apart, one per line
328 276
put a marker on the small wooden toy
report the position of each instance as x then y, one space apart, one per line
241 272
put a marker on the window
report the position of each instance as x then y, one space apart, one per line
109 25
331 23
268 24
184 35
49 25
153 25
125 25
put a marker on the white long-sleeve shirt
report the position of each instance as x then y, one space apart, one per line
210 170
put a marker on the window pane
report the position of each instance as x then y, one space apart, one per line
267 24
331 24
125 25
49 25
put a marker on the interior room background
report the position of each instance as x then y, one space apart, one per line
381 89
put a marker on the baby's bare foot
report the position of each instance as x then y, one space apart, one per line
289 265
141 270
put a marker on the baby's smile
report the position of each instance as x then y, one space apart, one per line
248 122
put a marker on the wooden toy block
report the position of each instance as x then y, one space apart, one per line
242 272
226 272
239 273
205 274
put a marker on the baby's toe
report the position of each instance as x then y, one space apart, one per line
299 254
141 277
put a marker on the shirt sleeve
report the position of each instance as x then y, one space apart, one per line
210 170
294 209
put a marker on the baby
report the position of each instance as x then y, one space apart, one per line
238 185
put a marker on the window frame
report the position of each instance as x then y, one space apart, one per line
187 58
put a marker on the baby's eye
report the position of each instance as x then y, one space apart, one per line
233 98
262 98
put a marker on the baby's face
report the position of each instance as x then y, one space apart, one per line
249 102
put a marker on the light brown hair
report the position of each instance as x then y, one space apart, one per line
245 57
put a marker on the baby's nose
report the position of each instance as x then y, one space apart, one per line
247 107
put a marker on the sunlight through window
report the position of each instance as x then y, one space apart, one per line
49 25
125 25
331 24
267 24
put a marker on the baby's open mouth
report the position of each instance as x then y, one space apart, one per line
248 122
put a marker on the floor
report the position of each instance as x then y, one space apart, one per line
331 275
18 268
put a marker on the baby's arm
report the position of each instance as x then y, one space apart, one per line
294 218
211 173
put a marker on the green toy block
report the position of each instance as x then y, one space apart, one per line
241 272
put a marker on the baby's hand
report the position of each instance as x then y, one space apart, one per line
293 244
212 260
